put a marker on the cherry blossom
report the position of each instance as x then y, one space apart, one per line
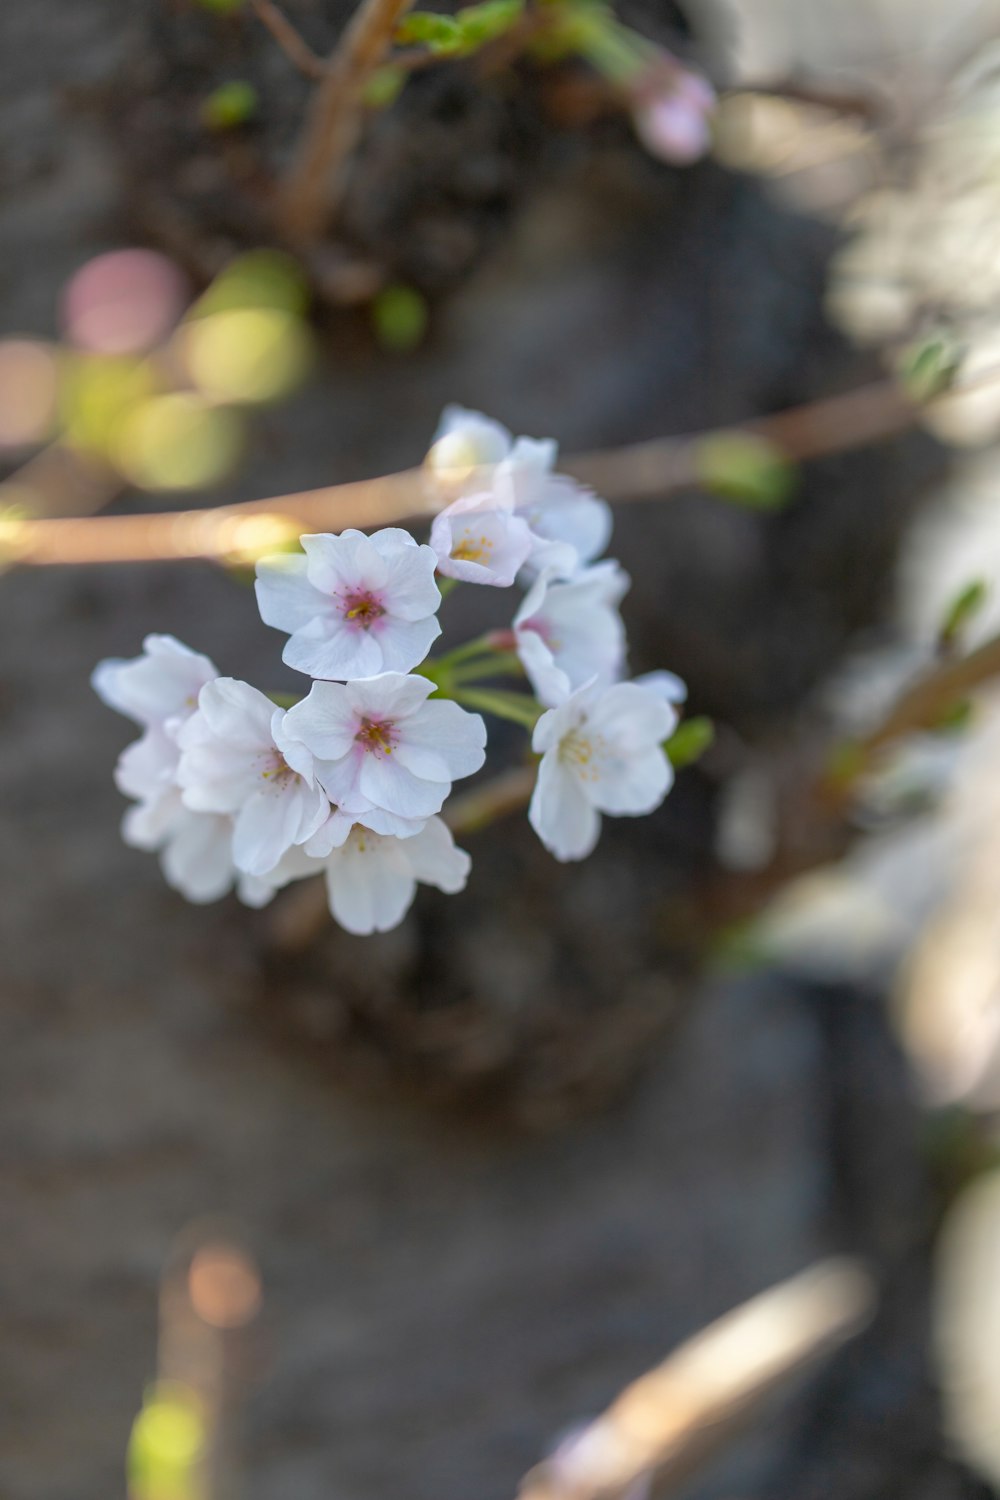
159 686
473 456
672 114
479 539
567 633
354 605
602 752
236 759
384 753
371 879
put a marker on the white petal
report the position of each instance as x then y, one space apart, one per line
385 783
435 860
160 684
285 597
146 766
410 591
325 721
666 684
550 683
405 644
198 859
442 741
331 649
330 834
369 885
632 717
274 819
560 814
633 785
391 695
253 891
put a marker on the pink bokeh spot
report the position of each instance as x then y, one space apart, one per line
123 303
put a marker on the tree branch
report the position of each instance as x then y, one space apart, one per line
674 1419
292 44
334 121
644 471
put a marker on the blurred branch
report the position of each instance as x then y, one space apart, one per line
644 471
292 44
923 705
674 1419
333 125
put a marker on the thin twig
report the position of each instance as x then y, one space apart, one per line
670 1422
334 122
923 705
292 43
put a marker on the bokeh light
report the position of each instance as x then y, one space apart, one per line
96 393
177 441
247 354
263 278
28 392
225 1286
123 302
167 1446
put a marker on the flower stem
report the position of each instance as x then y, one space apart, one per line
516 707
500 664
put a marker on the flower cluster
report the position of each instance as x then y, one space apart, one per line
234 788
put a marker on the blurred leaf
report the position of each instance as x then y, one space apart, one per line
956 718
479 24
97 392
230 105
222 7
400 317
963 608
384 86
845 762
438 33
747 469
261 278
928 368
689 741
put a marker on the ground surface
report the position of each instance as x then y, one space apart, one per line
444 1293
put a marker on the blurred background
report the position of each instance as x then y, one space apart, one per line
379 1217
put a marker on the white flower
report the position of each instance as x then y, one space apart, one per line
236 759
567 633
196 850
668 686
570 525
354 605
465 447
371 879
473 455
383 752
480 540
602 752
160 685
159 690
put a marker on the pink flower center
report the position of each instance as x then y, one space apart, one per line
376 736
362 609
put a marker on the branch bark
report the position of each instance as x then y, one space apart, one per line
334 121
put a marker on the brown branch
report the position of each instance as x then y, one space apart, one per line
292 43
671 1421
923 705
644 471
334 122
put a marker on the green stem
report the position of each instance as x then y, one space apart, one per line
516 707
284 700
500 664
